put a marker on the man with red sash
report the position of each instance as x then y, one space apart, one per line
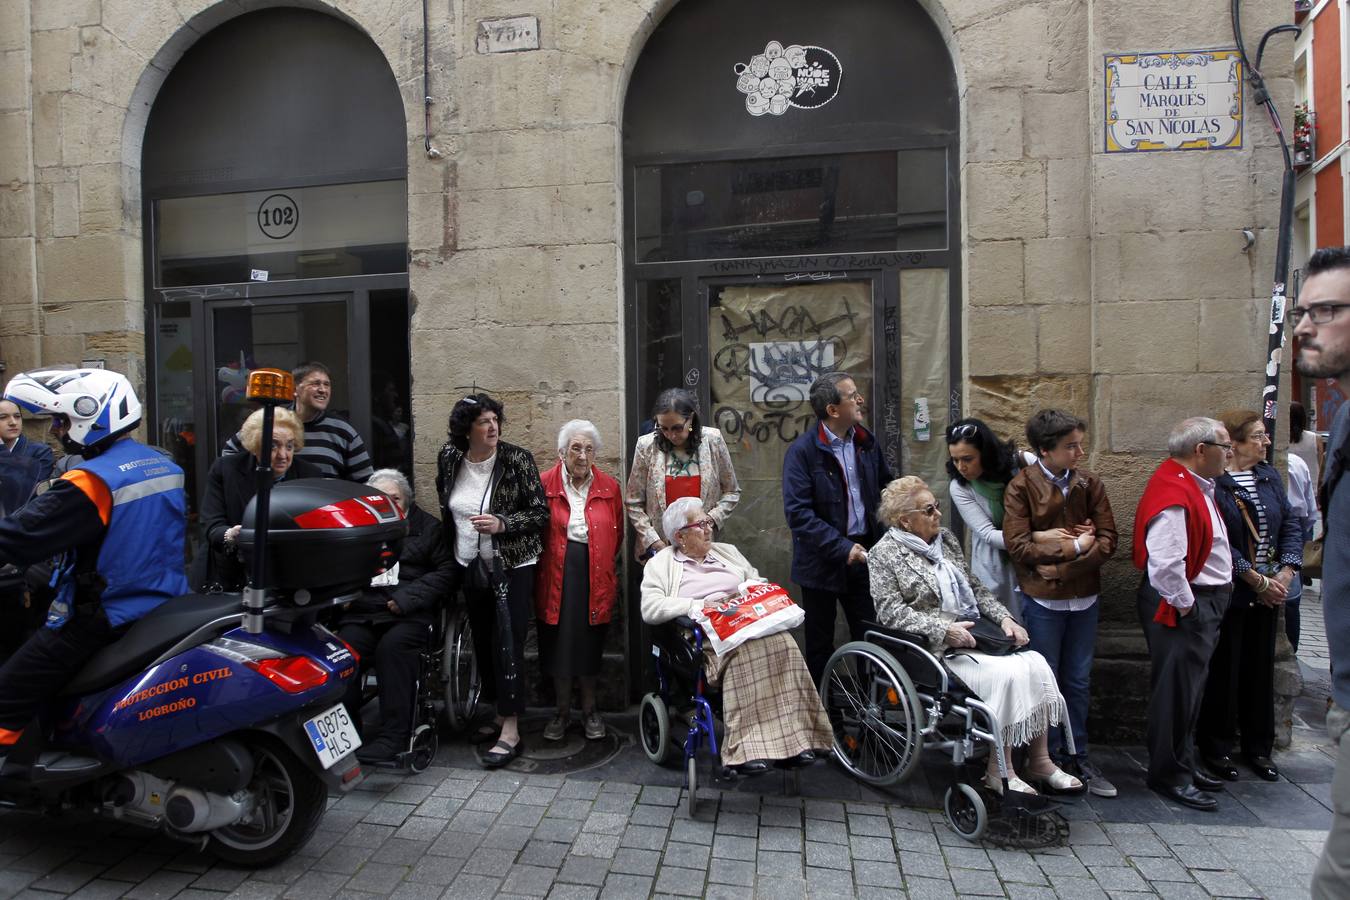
1181 544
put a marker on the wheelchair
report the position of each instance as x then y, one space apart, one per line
682 691
889 698
447 685
459 682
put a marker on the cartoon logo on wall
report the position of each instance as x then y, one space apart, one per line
799 76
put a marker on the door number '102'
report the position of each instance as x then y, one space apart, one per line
278 216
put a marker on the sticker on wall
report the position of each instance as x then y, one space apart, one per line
1181 100
923 420
804 77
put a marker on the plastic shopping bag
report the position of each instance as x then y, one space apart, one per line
761 609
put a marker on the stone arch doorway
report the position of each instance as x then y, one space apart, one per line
791 175
274 200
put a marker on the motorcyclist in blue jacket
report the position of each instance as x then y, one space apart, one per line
117 519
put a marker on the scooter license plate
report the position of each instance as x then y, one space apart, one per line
333 735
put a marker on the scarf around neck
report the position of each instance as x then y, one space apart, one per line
957 597
992 491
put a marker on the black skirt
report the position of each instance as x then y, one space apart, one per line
573 646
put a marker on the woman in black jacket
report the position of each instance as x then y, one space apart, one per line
233 481
391 620
493 504
1267 546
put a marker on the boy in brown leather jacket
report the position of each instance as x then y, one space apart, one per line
1059 531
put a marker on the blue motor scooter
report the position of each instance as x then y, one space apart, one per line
218 718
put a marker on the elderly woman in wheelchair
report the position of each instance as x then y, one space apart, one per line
771 710
922 585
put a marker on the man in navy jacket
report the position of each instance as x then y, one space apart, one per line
832 480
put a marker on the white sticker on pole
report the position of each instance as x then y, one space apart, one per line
1277 302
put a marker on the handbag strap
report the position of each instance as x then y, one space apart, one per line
1253 536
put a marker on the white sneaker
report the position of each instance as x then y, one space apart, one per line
595 726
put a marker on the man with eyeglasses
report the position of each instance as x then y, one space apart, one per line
832 480
1322 328
1181 543
331 443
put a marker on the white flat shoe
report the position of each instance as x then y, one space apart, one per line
1057 782
1014 784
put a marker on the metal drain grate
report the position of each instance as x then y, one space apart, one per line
540 757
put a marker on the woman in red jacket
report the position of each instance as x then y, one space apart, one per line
575 582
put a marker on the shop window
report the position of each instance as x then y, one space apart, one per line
390 440
279 335
767 345
661 337
925 402
176 427
840 203
281 234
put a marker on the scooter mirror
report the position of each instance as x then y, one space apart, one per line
270 385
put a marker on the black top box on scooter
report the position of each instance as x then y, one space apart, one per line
325 535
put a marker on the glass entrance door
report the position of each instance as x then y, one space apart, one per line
281 333
767 343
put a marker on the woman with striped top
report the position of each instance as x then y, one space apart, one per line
1267 544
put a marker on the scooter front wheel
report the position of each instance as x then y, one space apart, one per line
289 800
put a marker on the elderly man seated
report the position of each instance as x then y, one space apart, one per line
391 622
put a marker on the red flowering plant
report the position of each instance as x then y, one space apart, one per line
1305 133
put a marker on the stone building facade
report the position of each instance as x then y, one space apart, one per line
1116 285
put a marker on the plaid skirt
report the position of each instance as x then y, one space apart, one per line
769 705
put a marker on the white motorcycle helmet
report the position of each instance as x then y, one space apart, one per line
100 405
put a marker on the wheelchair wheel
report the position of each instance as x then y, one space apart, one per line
459 672
875 712
691 769
654 728
965 811
425 743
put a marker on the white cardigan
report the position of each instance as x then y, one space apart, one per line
661 600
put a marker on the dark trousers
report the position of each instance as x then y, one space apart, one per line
35 674
1181 657
487 642
1067 641
819 606
16 621
392 648
1240 691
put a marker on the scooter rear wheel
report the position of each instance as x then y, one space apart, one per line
290 799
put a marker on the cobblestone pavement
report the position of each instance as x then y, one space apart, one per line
620 830
459 832
1312 642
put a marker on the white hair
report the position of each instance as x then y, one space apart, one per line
397 479
676 516
1182 441
584 426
